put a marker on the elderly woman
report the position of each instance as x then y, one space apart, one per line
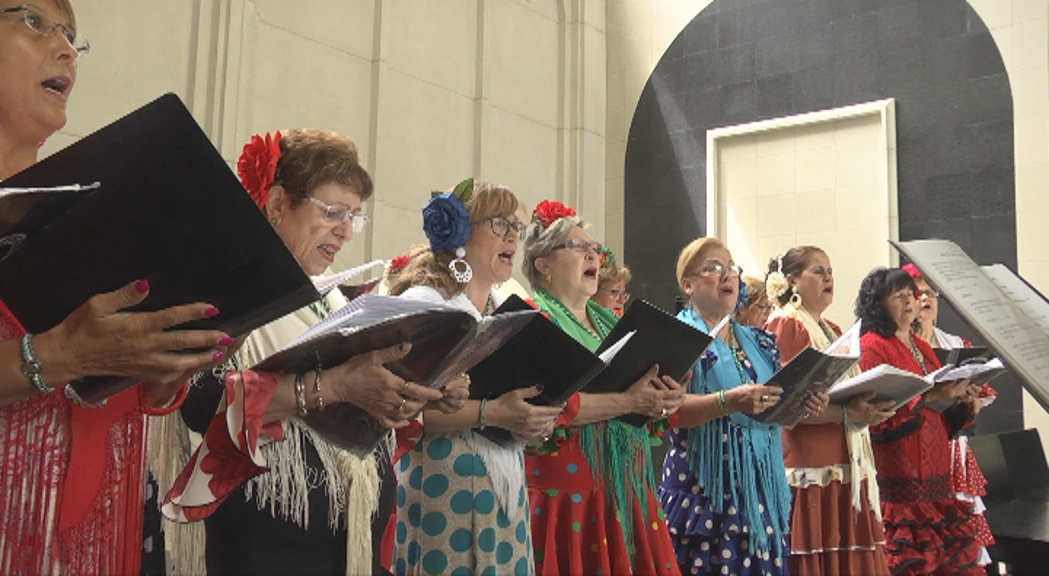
967 480
724 489
836 521
309 509
612 279
591 486
926 530
477 521
754 310
93 523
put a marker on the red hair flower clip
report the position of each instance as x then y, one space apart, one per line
399 263
550 211
257 166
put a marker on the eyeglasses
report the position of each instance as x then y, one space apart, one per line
502 226
621 295
39 22
341 214
928 293
581 246
715 268
764 308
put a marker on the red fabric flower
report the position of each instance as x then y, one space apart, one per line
912 270
548 212
257 166
399 263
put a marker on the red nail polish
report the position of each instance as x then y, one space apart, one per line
142 286
218 356
211 312
227 341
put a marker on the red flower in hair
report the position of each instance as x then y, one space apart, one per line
548 212
257 166
912 270
399 263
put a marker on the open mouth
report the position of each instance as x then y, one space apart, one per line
57 85
590 273
328 251
507 257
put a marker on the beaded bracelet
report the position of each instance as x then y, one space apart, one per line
300 393
722 403
31 367
481 422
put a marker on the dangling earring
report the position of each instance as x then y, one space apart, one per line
466 273
795 297
549 281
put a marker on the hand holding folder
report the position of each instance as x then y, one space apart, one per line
446 342
167 209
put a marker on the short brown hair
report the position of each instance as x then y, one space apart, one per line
312 158
428 268
695 250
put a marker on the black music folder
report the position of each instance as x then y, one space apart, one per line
168 208
542 354
657 338
446 342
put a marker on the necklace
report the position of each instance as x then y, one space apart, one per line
489 306
913 348
323 303
738 356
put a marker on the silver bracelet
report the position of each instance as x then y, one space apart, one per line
481 423
31 367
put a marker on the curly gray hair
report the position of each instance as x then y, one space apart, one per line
540 242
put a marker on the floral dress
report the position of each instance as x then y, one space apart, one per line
724 485
592 487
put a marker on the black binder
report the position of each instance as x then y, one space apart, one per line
659 338
542 354
169 209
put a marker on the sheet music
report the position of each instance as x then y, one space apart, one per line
1032 303
325 284
68 188
1009 331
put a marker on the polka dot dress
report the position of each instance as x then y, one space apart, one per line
448 518
708 542
578 531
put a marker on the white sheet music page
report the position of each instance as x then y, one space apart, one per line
1006 327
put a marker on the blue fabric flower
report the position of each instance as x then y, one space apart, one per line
446 222
744 294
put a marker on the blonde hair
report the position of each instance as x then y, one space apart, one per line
695 250
755 290
612 274
428 268
540 242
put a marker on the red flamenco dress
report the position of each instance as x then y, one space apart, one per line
927 530
592 488
73 480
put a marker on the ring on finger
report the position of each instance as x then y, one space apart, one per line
400 409
663 412
764 398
